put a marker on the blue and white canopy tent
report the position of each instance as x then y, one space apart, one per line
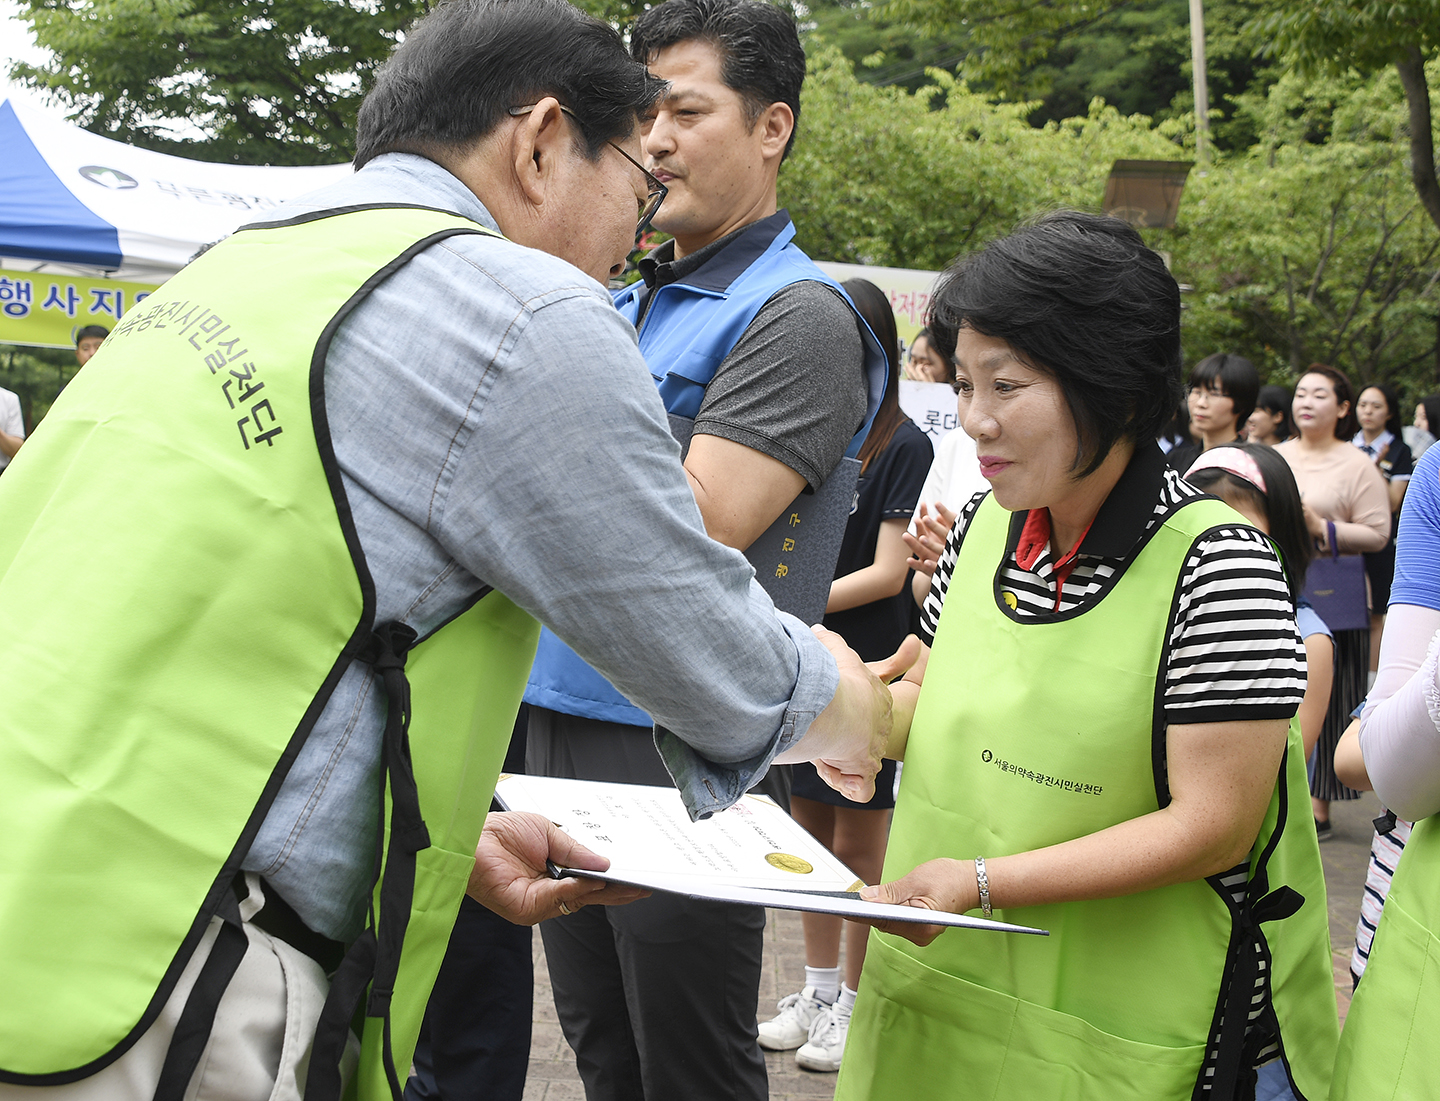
75 204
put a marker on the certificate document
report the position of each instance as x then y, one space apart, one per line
753 852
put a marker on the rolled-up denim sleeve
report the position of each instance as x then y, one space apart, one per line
708 787
564 490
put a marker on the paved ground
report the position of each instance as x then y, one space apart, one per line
552 1066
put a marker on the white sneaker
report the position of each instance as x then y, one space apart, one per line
791 1027
827 1041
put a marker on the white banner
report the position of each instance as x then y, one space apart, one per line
907 288
931 405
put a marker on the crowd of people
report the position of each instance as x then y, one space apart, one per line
369 479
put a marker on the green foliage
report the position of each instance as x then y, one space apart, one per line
258 81
1135 53
36 376
1298 250
878 176
1302 252
1006 36
882 50
1330 36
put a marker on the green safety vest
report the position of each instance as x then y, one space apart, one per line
1387 1052
1034 731
181 588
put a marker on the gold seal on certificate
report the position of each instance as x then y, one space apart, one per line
789 863
752 852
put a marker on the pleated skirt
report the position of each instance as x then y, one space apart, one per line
1352 665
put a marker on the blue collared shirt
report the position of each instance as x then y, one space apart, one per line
495 424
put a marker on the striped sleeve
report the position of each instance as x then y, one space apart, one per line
1235 653
944 569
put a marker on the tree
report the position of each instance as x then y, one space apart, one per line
35 375
248 81
881 176
1333 36
258 81
1005 36
1303 250
1308 245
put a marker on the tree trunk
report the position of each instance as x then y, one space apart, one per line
1411 67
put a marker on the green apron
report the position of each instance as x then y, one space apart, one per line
1388 1050
182 587
1031 732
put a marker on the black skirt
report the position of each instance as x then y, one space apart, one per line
806 783
1352 667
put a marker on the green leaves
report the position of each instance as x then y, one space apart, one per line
258 81
880 176
1309 245
1333 35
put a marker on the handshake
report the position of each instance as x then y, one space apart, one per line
848 740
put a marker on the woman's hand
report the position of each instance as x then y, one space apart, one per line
932 529
942 884
1221 778
511 879
1315 525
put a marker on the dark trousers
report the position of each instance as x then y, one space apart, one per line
475 1040
657 999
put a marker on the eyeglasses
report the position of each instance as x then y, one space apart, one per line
655 190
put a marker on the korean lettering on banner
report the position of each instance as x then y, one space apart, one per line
911 305
105 303
931 405
16 295
223 353
207 197
45 310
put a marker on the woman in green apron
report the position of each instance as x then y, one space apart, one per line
1104 744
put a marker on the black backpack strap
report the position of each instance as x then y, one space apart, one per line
192 1031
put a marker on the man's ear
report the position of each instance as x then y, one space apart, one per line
538 144
775 124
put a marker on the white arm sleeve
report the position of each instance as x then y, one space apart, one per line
1400 726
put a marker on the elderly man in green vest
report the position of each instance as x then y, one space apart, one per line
270 577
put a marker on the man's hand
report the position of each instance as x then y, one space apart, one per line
510 876
847 740
928 542
935 885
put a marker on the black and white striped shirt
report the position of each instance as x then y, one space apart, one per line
1235 653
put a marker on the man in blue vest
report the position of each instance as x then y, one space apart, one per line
404 345
750 341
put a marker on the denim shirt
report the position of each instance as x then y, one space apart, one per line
495 424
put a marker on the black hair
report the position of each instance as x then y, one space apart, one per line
1431 402
760 53
91 330
1349 424
1392 405
873 305
1080 297
1280 503
929 337
463 66
1277 399
1236 378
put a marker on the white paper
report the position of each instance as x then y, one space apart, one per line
751 853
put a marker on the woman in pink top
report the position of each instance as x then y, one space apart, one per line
1340 485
